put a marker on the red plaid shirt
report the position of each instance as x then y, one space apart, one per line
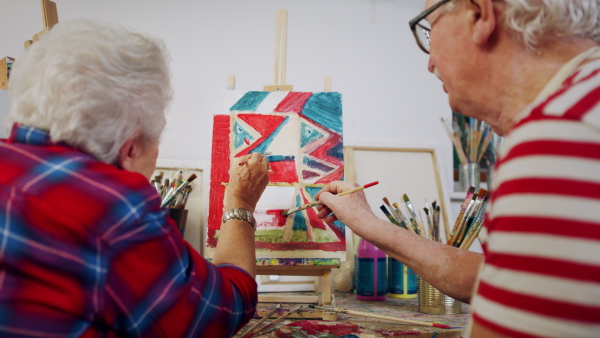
85 250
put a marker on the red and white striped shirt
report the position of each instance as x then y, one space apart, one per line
541 275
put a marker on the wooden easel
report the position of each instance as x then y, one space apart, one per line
5 66
280 53
49 17
324 294
323 273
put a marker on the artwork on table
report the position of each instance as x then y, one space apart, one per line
302 133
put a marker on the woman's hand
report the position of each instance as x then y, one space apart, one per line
248 178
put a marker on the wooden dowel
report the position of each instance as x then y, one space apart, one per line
251 329
277 320
370 315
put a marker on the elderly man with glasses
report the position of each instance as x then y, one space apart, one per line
531 69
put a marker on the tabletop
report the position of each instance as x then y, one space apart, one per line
360 326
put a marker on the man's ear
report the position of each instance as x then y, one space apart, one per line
483 19
128 153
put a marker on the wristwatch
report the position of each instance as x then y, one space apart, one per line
241 214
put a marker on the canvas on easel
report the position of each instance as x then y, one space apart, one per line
302 131
302 134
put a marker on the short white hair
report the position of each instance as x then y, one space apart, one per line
92 85
535 21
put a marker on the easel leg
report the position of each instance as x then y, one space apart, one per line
324 284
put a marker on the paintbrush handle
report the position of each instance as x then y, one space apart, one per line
456 142
472 235
395 319
262 320
174 193
277 320
415 225
344 193
314 204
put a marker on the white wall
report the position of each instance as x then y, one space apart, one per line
366 46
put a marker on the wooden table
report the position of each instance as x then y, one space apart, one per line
297 326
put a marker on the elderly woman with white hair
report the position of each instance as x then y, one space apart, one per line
85 248
531 69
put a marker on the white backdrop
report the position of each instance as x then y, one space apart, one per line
389 98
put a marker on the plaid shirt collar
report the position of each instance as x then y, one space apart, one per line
29 135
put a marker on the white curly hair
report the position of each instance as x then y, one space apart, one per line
536 21
92 85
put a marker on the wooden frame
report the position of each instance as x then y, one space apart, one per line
324 294
411 171
196 204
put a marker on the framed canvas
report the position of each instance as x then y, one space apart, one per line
302 134
411 171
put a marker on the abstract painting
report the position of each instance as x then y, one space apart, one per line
302 134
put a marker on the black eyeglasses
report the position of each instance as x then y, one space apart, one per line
421 30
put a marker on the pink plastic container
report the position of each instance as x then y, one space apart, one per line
371 278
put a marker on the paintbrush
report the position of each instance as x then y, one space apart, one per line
432 230
486 143
475 210
276 320
251 329
390 217
436 222
463 220
456 142
463 208
169 197
404 219
472 235
371 315
314 204
409 224
413 219
394 213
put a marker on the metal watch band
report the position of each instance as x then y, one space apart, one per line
241 214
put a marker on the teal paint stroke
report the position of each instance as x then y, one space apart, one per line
308 134
312 191
250 101
325 108
299 220
241 134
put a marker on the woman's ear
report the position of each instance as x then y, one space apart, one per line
128 153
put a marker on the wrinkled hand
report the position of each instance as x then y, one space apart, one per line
353 209
248 178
